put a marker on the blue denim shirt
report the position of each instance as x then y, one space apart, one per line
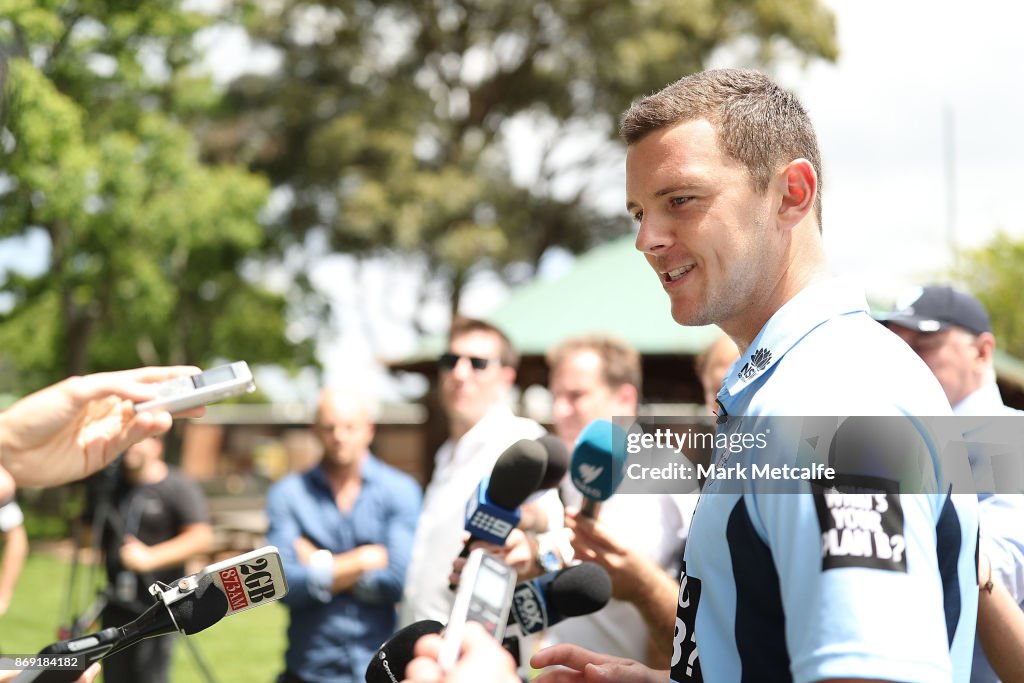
332 642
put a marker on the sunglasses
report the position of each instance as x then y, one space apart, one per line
448 361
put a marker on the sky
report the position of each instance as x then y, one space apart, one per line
905 68
882 111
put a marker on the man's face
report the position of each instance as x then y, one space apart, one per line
468 393
581 395
142 453
344 432
705 230
953 355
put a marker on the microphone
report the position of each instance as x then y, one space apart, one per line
493 511
598 463
558 461
388 664
571 592
192 604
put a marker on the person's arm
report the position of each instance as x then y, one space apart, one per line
346 568
592 667
635 578
384 585
73 428
1002 540
284 531
15 552
194 539
1000 625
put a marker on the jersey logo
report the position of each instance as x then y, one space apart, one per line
685 658
758 362
861 524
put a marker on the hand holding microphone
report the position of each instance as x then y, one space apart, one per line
598 463
493 510
536 605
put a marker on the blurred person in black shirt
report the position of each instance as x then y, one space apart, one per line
159 519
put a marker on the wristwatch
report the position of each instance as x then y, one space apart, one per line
548 558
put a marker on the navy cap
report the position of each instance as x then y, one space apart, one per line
938 307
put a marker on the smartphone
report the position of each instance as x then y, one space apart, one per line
484 596
209 386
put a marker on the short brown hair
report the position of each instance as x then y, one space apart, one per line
620 362
508 356
759 124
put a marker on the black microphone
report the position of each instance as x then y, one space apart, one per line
558 461
493 511
192 604
388 664
571 592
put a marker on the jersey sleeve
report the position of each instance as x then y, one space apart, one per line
858 583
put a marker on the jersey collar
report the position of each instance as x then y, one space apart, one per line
811 307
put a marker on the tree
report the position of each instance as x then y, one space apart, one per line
147 243
994 274
388 123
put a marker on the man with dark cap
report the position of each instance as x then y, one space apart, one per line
950 330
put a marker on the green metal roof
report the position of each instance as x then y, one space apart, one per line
610 289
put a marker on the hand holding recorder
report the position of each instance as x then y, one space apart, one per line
79 425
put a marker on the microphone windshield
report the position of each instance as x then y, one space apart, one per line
202 609
517 473
580 589
558 461
388 664
599 460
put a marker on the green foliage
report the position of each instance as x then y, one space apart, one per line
389 120
147 243
995 274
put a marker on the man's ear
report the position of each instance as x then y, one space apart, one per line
626 395
986 344
799 185
508 375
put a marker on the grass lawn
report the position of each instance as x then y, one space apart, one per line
247 647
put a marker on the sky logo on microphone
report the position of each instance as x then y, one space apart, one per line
588 473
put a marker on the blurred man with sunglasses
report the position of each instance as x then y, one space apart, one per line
477 372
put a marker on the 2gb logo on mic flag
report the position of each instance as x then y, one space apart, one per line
861 523
250 583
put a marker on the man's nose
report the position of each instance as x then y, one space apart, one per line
654 237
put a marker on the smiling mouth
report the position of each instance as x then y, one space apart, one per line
673 275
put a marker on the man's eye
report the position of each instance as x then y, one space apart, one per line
679 201
638 216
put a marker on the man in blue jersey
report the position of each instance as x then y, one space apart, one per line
722 177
